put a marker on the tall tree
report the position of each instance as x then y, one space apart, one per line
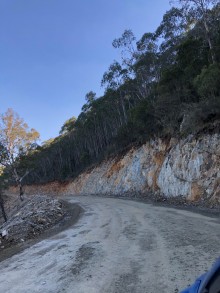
16 141
146 66
67 126
90 98
199 10
126 43
169 34
113 79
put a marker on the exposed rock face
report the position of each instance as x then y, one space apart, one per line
191 168
188 168
137 171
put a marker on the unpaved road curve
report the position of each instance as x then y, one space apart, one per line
117 246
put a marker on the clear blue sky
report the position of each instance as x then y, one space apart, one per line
52 52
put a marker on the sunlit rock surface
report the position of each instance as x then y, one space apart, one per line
188 168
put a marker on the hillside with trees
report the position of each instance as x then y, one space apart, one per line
167 84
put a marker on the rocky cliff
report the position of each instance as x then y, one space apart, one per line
189 168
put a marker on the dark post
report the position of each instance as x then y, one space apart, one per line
3 208
21 192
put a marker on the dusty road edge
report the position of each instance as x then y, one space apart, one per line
74 211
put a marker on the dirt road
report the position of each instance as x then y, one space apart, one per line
117 246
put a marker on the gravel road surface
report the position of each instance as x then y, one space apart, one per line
117 246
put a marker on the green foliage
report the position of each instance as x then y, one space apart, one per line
169 114
68 125
145 121
16 138
125 136
191 56
200 11
207 82
199 116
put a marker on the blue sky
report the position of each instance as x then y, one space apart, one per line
52 52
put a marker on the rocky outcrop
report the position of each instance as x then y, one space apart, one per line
189 168
192 169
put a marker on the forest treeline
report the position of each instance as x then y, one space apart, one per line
165 84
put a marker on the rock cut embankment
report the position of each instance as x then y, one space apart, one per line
188 167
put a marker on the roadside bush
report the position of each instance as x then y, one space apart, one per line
198 116
207 83
169 114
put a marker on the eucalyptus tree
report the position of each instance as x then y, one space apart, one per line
146 66
127 46
68 125
113 79
169 34
129 54
200 11
90 98
16 141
